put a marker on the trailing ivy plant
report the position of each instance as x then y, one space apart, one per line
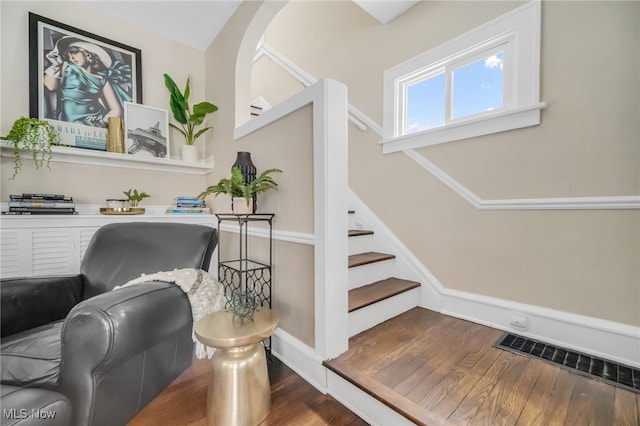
32 134
134 197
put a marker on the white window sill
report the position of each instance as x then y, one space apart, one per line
64 154
508 120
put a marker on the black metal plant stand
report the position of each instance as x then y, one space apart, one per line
241 276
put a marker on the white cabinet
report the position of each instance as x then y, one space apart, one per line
54 245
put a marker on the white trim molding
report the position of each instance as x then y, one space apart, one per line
287 236
63 154
511 119
329 101
355 116
594 336
362 121
300 358
558 203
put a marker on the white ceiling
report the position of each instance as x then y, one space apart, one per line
197 23
194 23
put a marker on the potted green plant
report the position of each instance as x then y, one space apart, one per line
242 193
134 197
187 118
32 134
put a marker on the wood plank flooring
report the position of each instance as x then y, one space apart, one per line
439 370
293 401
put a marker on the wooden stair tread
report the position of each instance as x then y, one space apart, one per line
359 232
380 290
368 257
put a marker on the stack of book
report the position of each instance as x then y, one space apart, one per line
188 205
41 204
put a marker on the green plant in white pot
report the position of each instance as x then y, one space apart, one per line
32 134
134 197
188 119
242 193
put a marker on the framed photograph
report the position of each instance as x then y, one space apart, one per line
77 80
146 131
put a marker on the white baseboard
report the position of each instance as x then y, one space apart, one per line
300 358
365 406
593 336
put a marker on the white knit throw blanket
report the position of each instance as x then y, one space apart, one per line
204 292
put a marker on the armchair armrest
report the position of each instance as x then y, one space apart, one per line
117 346
31 302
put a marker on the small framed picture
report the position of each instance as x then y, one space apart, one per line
146 131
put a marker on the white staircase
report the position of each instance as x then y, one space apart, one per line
381 286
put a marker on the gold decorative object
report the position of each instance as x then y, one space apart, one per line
115 135
123 210
239 391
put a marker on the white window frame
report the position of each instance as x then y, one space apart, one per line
519 32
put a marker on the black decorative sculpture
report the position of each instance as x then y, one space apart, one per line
248 169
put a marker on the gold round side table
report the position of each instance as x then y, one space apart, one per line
239 392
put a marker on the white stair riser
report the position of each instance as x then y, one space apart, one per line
372 315
356 222
364 243
370 273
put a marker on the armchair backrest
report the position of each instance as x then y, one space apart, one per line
119 252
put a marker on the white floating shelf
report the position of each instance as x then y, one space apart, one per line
62 154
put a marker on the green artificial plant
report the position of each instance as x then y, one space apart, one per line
133 198
235 186
32 134
188 119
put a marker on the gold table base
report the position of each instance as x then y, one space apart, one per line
239 391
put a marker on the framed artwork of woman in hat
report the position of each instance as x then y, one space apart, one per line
80 80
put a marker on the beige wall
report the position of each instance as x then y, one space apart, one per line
292 203
92 184
578 261
286 145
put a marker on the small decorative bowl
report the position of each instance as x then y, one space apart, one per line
113 203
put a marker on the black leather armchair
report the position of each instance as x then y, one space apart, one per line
108 352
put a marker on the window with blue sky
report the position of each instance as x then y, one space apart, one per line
475 88
481 82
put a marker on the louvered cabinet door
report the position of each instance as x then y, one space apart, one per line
52 251
13 253
42 251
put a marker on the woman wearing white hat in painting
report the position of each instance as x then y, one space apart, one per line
88 83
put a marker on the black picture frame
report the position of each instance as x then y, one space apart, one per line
77 79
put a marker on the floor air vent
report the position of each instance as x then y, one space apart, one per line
598 368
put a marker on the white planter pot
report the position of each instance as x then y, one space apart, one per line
239 206
189 153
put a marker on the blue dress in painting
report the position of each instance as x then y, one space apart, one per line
80 93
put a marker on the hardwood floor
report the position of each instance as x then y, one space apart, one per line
439 370
293 401
433 369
